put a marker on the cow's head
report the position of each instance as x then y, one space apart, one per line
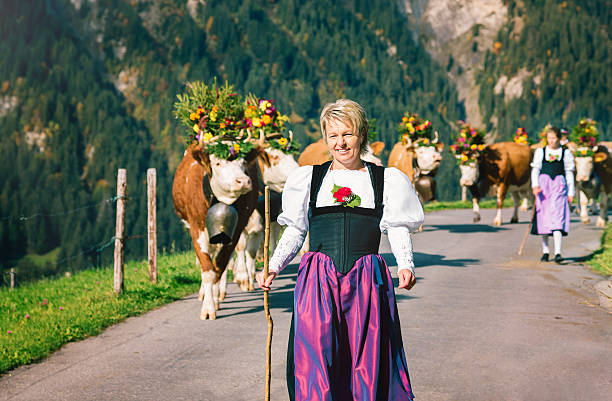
429 157
277 168
584 167
469 174
229 179
373 151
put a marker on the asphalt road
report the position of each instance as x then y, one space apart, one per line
480 324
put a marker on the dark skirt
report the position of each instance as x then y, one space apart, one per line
345 341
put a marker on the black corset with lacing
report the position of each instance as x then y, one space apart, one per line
343 233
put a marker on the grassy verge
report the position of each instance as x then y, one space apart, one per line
37 319
601 262
486 204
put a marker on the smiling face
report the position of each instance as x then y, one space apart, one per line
343 143
552 140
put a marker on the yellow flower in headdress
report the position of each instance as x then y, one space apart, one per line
283 142
266 119
213 116
237 147
196 128
464 157
411 119
222 125
207 137
264 105
426 141
410 128
257 122
474 147
481 147
193 116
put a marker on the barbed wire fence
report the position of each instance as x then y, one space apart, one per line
9 276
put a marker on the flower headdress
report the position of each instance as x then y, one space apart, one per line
468 145
415 130
521 137
585 135
268 124
215 117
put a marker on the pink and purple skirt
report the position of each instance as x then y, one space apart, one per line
345 341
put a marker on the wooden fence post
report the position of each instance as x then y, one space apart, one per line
12 273
120 230
152 224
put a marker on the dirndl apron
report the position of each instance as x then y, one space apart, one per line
552 206
345 341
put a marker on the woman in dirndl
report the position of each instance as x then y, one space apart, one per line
552 181
345 340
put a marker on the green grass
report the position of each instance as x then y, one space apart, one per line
38 318
601 262
486 204
41 260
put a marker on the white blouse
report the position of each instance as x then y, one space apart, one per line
402 210
568 164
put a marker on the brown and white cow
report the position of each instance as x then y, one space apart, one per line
274 174
420 164
232 182
601 165
317 153
504 166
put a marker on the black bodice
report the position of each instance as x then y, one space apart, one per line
554 168
345 234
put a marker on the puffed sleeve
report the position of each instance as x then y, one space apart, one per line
536 166
295 199
295 216
402 213
569 164
401 205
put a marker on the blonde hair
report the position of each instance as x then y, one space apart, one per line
350 113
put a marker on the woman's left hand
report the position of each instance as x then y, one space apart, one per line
406 279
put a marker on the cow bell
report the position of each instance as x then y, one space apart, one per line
221 221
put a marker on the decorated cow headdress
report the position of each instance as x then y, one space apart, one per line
585 135
468 144
416 131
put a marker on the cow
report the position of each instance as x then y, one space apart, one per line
420 164
317 153
274 174
200 179
599 166
503 166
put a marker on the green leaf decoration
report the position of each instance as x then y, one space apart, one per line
355 201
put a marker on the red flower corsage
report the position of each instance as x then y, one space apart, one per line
345 196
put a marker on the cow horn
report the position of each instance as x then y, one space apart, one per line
436 137
290 136
248 138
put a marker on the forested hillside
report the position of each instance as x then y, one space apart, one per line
558 55
89 87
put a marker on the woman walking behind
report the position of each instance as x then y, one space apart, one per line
552 181
345 341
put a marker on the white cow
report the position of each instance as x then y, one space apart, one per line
274 175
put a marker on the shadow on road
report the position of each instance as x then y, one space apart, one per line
431 259
463 228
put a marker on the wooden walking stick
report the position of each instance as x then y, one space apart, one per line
533 213
266 293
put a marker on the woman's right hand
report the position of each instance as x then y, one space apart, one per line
265 283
